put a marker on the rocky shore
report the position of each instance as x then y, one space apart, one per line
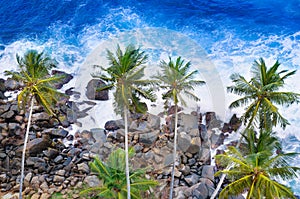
57 160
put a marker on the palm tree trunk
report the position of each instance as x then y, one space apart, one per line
222 178
126 153
24 149
174 153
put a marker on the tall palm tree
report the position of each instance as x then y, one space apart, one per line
261 95
176 79
37 87
125 75
255 169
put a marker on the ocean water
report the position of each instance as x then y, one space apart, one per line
219 37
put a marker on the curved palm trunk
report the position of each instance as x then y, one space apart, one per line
174 153
126 153
24 150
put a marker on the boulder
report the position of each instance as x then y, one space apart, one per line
65 78
149 138
111 125
11 84
93 94
37 145
191 179
92 181
184 141
195 145
208 172
187 121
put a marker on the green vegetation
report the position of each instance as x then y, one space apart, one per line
112 174
255 170
37 86
262 93
177 80
125 75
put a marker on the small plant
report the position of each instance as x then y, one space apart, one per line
112 174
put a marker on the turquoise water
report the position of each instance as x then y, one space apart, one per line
230 35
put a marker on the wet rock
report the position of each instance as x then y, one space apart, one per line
235 122
212 121
92 93
64 80
56 133
111 125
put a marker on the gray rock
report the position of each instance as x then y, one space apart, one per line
11 84
187 121
58 179
98 135
92 93
205 155
83 167
195 145
27 179
60 172
149 138
191 179
208 171
58 159
185 169
8 115
44 186
200 191
92 181
42 116
184 141
153 122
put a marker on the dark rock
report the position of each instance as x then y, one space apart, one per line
195 145
92 93
65 78
56 133
8 115
111 125
51 153
187 121
37 145
83 167
149 138
68 161
171 110
235 122
58 159
2 85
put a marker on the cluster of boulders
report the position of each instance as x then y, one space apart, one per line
58 162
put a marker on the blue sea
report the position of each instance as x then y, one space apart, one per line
219 37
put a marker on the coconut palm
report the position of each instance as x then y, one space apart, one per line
176 79
112 174
33 73
261 95
125 75
255 169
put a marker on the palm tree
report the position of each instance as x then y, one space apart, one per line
125 76
255 169
261 95
112 173
37 87
177 80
